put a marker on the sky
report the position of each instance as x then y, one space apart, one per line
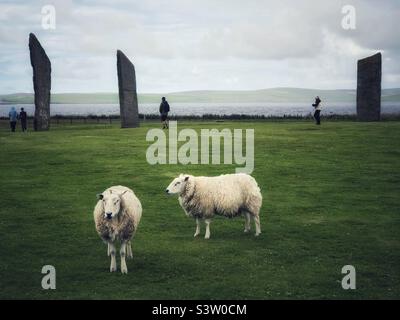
183 45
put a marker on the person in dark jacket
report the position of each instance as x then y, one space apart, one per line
23 117
13 115
164 109
317 113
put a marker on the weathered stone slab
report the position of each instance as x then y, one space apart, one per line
41 83
369 77
128 102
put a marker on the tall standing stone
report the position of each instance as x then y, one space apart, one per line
369 76
41 83
127 92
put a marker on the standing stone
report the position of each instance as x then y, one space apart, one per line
127 92
369 76
41 83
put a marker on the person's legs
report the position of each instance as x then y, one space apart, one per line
318 117
164 120
23 125
13 124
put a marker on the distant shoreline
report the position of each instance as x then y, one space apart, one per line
274 95
199 109
101 119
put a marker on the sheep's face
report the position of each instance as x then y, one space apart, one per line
111 204
177 185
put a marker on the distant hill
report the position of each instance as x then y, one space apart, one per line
264 95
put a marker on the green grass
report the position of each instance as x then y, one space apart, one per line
331 198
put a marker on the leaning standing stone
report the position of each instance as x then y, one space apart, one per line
41 83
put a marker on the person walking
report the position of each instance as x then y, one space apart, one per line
164 109
13 115
23 117
317 113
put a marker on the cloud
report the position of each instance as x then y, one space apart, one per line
185 45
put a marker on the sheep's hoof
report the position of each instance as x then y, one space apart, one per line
246 231
124 271
196 234
207 237
113 269
257 234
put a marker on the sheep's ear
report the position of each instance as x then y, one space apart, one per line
99 196
186 178
123 193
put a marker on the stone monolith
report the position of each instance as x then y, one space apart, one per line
128 102
41 83
369 76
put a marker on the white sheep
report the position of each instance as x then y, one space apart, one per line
117 215
229 195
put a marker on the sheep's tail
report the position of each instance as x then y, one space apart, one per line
254 200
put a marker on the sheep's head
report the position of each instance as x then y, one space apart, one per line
178 184
111 203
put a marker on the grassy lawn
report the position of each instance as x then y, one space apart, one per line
331 198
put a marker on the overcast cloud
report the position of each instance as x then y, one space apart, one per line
179 45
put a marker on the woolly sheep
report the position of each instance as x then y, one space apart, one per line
229 195
117 215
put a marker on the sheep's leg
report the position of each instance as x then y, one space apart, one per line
257 224
113 266
246 222
207 221
197 227
129 250
122 253
108 249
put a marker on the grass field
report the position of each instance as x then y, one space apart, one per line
331 198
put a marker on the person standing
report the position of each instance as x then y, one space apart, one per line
317 113
23 117
164 109
13 115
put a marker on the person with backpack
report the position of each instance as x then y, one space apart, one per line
164 109
317 113
23 117
13 115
